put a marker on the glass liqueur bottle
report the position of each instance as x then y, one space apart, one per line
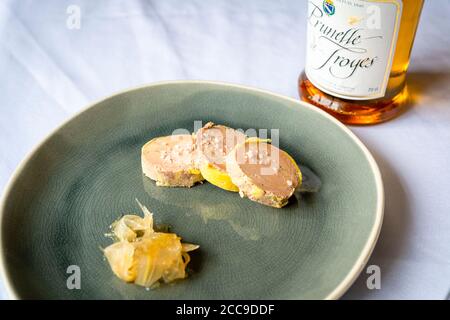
358 53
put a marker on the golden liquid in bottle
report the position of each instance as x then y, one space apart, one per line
396 97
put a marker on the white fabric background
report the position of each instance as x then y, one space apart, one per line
49 72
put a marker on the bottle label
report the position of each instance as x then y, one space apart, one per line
351 46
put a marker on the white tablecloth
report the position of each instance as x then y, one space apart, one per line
50 71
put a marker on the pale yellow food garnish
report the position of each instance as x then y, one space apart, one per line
120 256
218 178
144 256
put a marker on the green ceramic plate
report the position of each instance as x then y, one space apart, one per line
64 196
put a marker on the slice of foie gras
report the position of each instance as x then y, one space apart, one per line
170 161
214 142
263 172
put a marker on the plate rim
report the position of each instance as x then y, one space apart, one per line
354 271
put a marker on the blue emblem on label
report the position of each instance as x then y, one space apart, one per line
328 7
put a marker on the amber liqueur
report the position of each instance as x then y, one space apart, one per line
358 53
